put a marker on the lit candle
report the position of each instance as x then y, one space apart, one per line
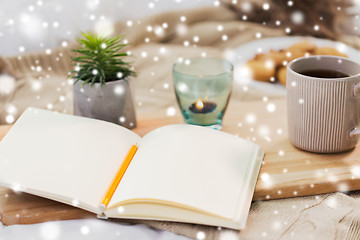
202 107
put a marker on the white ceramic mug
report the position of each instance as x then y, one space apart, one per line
323 113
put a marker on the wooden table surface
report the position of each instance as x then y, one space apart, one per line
286 171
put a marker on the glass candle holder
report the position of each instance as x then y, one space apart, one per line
203 87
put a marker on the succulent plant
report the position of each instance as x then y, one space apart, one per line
99 60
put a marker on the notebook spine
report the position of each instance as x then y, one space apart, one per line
102 215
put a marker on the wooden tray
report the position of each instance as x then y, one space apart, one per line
286 171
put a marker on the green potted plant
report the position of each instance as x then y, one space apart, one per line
101 80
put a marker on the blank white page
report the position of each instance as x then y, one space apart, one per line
191 165
69 158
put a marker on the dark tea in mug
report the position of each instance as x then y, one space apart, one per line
324 73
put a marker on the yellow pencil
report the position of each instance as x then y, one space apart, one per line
120 173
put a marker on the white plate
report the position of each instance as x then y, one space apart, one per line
247 51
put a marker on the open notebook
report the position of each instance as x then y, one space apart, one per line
179 173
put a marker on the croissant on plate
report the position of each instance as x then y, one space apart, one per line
271 67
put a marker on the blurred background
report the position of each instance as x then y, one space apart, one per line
36 25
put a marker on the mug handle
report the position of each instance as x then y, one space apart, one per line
355 131
356 88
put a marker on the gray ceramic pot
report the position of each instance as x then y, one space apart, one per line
112 102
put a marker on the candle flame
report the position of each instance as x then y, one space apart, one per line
199 104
